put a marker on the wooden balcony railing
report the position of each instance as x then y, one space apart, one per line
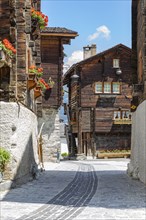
123 121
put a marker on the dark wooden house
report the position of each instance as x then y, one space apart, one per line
100 100
137 165
52 55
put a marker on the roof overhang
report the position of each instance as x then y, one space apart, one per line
70 35
66 38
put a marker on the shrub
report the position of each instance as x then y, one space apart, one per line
4 159
64 154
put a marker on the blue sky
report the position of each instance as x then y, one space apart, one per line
101 22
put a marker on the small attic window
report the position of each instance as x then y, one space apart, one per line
116 63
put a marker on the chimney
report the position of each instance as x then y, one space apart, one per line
89 51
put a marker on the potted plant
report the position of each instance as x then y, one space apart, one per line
33 70
38 18
7 52
46 85
4 159
34 73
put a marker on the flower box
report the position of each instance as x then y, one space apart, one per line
31 83
31 76
106 155
37 92
37 71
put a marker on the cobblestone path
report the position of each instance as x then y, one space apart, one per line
71 201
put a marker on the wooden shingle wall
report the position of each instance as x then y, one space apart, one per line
52 62
94 72
138 44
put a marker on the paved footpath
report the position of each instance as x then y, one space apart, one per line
91 189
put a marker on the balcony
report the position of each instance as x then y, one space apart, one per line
122 117
125 121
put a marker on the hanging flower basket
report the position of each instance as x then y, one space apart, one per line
40 18
46 85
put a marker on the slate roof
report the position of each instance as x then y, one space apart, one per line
58 30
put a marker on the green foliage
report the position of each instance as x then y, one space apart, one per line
64 154
4 158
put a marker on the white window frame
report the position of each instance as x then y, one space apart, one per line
105 90
116 63
101 84
119 88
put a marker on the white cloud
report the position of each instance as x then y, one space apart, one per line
75 57
100 31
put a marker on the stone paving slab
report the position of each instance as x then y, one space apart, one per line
31 196
117 196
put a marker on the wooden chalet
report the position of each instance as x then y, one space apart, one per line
99 101
52 55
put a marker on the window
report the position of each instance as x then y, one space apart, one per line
107 87
98 87
116 87
116 63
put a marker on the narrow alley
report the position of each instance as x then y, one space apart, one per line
89 189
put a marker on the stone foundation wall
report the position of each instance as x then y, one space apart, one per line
137 165
50 133
18 134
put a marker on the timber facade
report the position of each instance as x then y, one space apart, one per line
137 165
31 68
100 100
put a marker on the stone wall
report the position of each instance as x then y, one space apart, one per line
50 133
137 165
18 134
